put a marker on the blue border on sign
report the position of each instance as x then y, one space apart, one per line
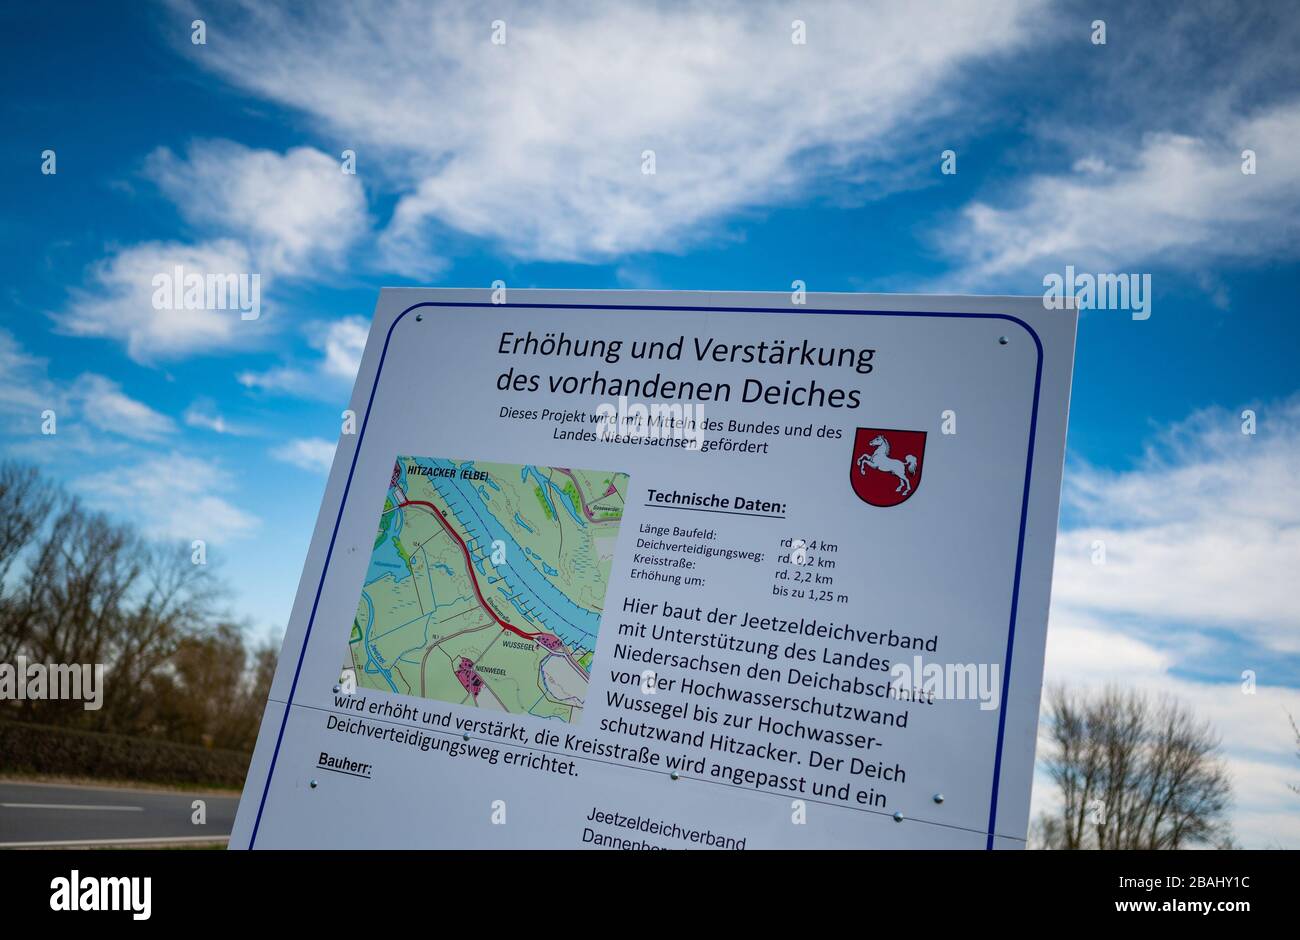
1020 544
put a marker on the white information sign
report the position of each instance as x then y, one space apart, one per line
675 570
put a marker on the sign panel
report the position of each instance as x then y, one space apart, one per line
589 573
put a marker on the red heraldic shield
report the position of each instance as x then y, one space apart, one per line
886 467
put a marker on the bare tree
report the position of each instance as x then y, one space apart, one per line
24 502
77 587
173 601
213 690
1045 832
68 603
24 505
1133 773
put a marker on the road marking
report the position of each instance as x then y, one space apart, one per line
15 783
124 809
156 841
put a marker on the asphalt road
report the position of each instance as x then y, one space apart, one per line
38 814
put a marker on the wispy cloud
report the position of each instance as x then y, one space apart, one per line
308 453
294 211
340 344
259 212
25 387
538 143
170 496
204 414
1206 531
118 302
89 403
1178 200
106 407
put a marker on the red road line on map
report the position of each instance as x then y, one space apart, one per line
469 564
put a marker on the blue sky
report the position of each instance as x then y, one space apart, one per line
774 162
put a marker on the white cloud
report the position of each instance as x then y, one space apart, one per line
170 496
106 407
288 380
1081 646
538 142
308 453
344 342
340 343
203 414
118 303
1179 200
294 211
24 382
1206 531
261 213
88 403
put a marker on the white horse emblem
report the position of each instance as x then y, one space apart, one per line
879 459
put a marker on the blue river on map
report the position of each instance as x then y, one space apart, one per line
385 560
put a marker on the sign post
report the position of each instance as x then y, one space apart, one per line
675 570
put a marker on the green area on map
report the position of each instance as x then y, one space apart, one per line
486 584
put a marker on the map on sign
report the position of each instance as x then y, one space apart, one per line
486 584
